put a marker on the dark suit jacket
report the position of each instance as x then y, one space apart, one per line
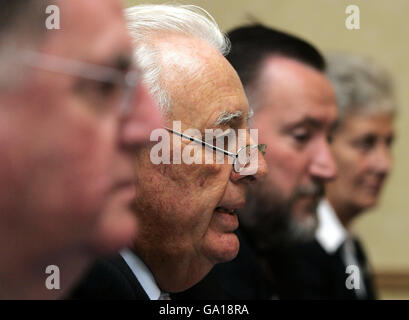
109 279
243 278
315 274
302 271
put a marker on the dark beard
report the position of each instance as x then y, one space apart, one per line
267 220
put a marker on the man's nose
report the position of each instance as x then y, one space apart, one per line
142 118
382 160
323 165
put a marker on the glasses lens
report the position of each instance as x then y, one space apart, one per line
132 78
244 156
129 87
127 98
248 157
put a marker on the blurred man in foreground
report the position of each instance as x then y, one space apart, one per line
72 115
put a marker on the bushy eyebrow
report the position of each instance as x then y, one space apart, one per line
228 118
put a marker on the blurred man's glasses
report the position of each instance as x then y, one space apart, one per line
244 156
127 80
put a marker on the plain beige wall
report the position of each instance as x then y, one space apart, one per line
383 35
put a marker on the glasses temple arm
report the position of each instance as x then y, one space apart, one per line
202 142
70 67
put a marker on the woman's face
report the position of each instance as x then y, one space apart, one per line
362 151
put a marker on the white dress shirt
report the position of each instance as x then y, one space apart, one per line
144 275
331 234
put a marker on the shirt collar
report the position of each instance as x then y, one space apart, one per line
330 232
142 273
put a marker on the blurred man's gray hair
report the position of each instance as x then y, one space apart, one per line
362 87
145 22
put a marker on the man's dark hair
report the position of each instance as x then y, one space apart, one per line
252 44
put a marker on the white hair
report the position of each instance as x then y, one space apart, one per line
361 86
147 21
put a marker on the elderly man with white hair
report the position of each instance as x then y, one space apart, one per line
187 210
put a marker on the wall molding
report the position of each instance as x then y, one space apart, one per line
391 279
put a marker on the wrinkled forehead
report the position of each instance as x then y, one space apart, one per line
202 83
91 30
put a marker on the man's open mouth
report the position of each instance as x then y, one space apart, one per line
226 210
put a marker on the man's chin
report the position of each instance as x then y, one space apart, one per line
303 223
224 248
116 232
231 248
304 227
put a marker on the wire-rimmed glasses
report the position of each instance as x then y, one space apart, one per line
127 80
242 158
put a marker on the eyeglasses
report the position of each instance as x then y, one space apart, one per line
242 158
128 81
